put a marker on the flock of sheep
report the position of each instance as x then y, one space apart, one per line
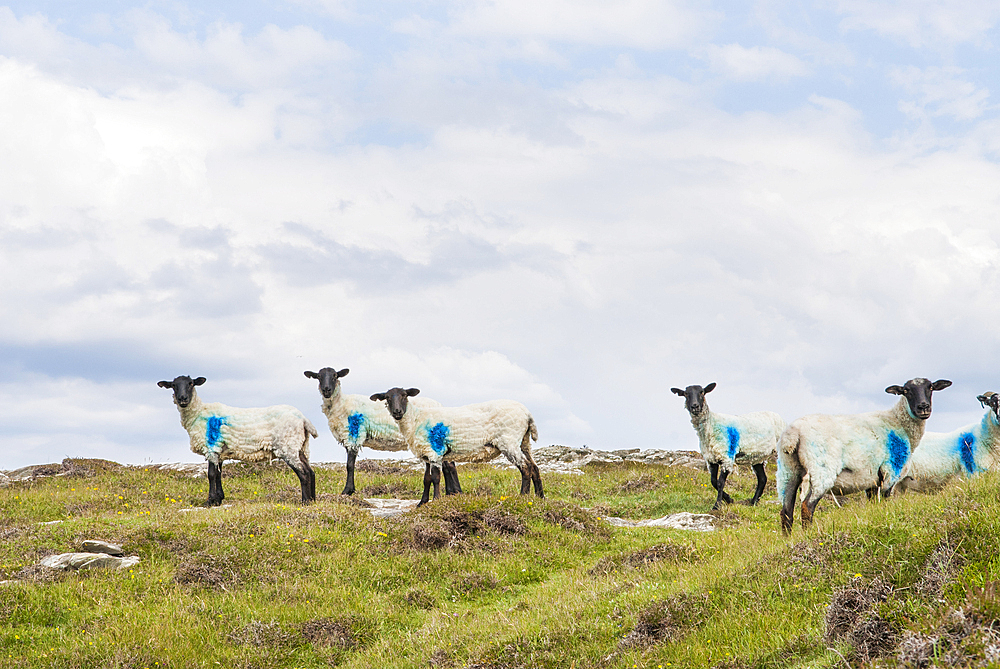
873 452
390 421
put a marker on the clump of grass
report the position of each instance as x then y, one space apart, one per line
262 635
644 558
331 632
667 620
207 570
504 522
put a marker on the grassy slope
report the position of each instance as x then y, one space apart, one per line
488 579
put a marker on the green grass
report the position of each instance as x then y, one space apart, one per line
488 579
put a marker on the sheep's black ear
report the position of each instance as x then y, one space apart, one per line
412 391
940 384
677 391
982 399
896 390
200 380
710 387
377 397
166 384
311 375
343 373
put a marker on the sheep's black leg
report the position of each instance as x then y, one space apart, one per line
790 492
713 472
536 477
215 494
723 495
436 480
761 482
428 479
525 478
872 492
451 484
349 485
304 481
809 507
309 491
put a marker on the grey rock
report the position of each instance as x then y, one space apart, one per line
697 522
95 546
89 561
387 508
192 469
4 480
52 522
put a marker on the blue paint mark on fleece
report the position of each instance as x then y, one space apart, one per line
734 441
967 450
899 451
354 422
437 436
213 432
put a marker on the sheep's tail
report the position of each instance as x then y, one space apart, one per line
532 428
789 467
311 430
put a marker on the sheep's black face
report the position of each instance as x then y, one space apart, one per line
694 397
329 379
396 400
992 400
918 394
183 387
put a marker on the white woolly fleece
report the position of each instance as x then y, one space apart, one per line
471 433
943 456
747 439
219 432
845 453
357 422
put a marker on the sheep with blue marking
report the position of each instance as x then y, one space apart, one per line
471 433
726 441
357 422
851 453
219 432
962 453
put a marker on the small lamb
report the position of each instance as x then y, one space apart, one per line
220 433
357 421
471 433
965 452
854 452
726 441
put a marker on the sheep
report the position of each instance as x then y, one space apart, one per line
357 421
219 433
964 452
726 441
851 453
471 433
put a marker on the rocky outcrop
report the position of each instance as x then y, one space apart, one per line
698 522
89 561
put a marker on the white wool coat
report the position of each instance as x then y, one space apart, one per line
219 432
748 439
943 456
845 453
356 421
471 433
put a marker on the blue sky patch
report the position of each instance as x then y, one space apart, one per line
899 451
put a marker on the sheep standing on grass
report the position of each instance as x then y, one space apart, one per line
854 452
356 422
726 441
965 452
471 433
220 433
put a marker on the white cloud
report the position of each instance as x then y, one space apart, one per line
941 91
644 24
754 63
922 23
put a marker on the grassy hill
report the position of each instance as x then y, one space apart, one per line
489 579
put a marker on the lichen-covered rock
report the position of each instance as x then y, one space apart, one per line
89 561
697 522
96 546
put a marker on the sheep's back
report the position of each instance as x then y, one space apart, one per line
248 433
485 427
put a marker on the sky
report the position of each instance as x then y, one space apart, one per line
576 205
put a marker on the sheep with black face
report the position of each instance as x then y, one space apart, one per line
219 432
726 441
358 422
962 453
471 433
851 453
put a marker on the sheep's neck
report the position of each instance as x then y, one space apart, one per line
332 403
191 412
913 426
702 421
408 423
